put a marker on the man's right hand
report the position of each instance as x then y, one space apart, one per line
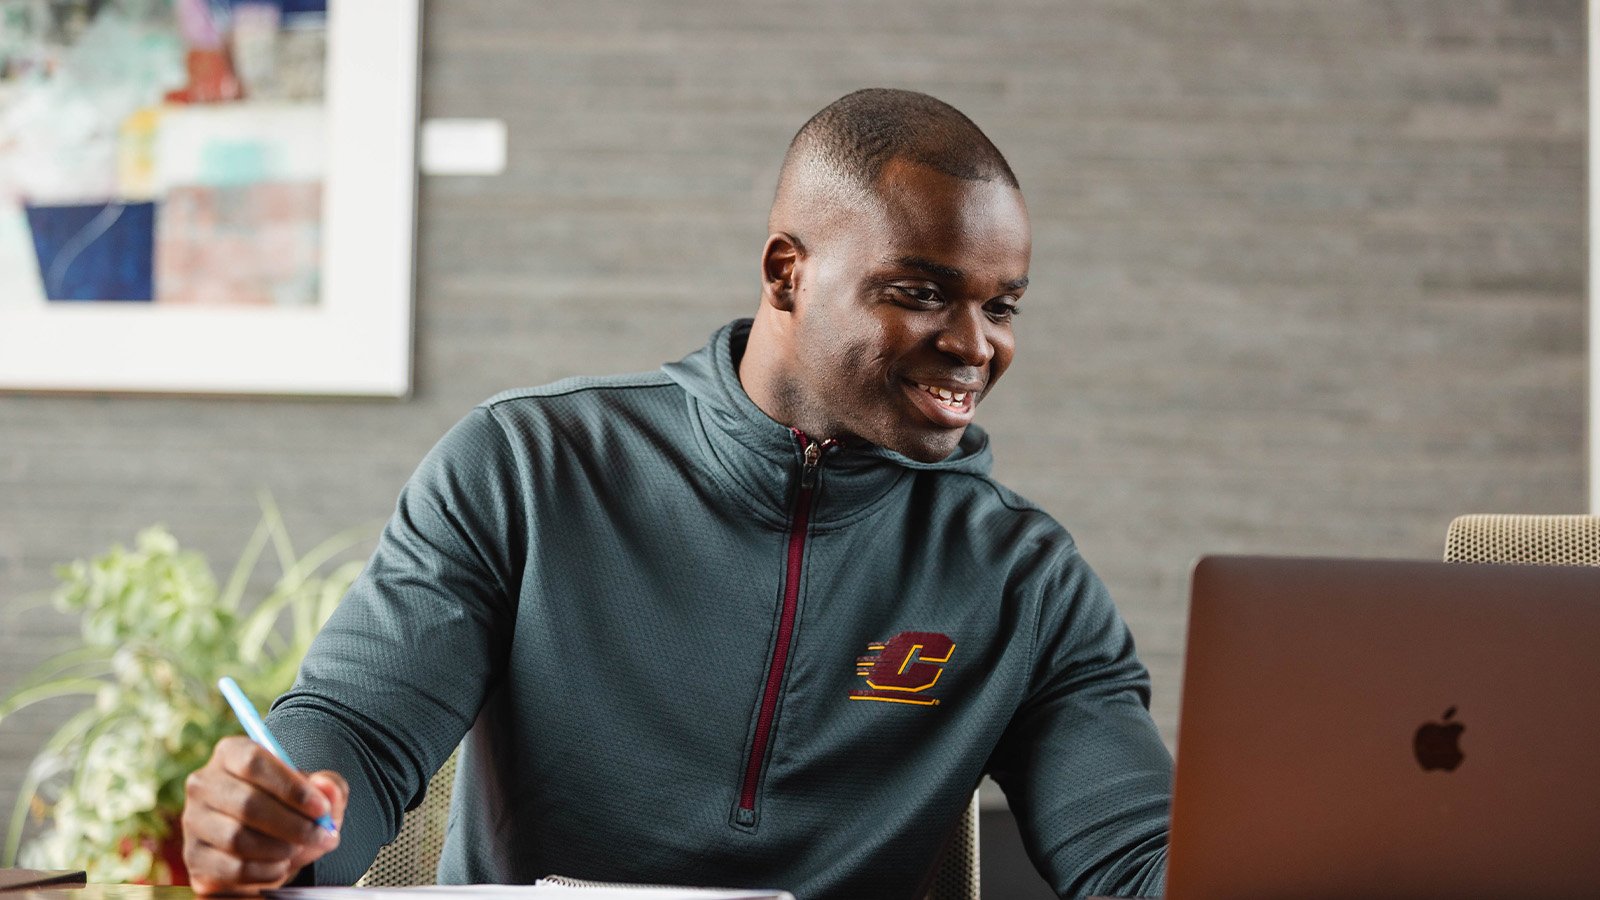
249 820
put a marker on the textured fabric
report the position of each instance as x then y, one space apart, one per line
589 576
1571 540
412 858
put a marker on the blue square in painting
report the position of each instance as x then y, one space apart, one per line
302 7
289 7
101 251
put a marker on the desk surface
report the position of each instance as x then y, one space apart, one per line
106 892
124 892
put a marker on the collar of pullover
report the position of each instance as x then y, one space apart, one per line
762 459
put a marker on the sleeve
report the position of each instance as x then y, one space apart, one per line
1082 764
398 674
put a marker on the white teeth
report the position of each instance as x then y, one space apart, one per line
952 399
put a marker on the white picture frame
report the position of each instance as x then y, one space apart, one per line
1593 285
356 341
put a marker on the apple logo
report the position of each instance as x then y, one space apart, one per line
1437 744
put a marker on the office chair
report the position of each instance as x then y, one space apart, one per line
1532 540
955 875
413 856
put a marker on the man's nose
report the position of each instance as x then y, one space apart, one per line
965 335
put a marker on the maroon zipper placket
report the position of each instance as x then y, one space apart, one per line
799 524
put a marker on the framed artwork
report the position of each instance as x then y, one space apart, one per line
207 196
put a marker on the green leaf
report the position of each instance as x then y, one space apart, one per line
96 660
64 687
321 554
280 536
258 627
234 592
72 730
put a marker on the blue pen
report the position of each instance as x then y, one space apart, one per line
257 729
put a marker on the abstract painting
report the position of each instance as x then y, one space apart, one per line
188 190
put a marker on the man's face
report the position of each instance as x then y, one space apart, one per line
903 315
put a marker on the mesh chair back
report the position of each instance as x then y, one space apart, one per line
413 856
955 876
1533 540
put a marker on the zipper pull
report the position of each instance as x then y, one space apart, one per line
808 471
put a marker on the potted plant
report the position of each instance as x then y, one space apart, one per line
157 632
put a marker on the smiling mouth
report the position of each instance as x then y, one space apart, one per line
956 401
945 408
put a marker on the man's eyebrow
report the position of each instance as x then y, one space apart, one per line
949 273
921 264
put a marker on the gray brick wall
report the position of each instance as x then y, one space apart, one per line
1308 277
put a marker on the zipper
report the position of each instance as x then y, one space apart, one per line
765 719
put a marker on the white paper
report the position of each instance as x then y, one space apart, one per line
540 891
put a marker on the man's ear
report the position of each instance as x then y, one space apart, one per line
780 260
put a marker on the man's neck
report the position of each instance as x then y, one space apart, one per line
758 368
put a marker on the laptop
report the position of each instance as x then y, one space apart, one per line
1388 729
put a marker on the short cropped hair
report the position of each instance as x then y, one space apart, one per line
858 134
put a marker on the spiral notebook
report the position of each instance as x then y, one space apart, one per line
555 887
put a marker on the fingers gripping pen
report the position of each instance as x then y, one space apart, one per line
257 729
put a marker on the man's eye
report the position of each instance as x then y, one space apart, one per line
917 296
1003 310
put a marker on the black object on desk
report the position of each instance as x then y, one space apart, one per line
35 879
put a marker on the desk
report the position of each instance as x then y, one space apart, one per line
106 892
128 892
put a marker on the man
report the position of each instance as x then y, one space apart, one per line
760 618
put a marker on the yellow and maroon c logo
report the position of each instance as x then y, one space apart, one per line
905 665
